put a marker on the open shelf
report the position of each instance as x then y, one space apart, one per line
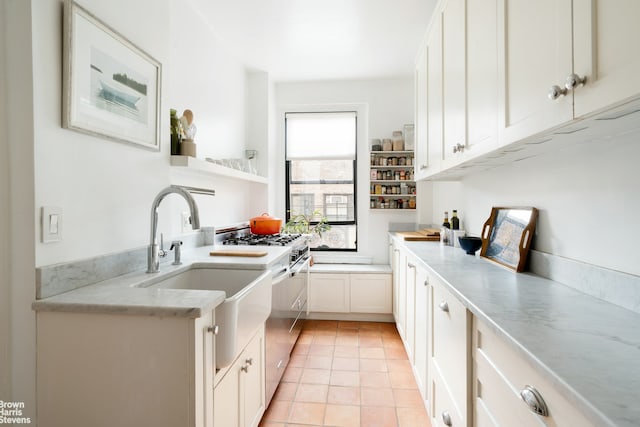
200 166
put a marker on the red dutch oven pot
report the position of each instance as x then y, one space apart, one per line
265 224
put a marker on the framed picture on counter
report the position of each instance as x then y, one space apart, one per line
111 88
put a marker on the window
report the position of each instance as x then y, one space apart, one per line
320 174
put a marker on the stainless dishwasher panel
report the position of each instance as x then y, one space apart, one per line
288 308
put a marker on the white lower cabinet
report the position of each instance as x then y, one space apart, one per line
329 293
350 293
104 370
370 293
468 375
410 307
501 376
239 396
445 411
421 330
449 357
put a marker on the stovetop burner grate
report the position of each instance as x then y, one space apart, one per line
259 239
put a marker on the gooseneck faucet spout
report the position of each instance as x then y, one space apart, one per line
153 261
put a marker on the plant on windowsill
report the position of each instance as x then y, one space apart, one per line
305 224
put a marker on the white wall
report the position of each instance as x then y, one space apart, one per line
105 188
389 103
587 195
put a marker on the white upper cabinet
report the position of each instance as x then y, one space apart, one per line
482 76
429 103
535 43
420 84
605 37
583 50
501 71
453 81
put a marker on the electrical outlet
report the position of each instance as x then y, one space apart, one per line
185 221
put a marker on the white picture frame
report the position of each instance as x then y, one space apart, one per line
111 87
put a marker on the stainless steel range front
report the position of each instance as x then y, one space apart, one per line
290 276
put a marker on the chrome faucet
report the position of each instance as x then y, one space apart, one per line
153 261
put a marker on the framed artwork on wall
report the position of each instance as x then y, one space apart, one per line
111 88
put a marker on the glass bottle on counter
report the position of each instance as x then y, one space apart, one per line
446 223
455 221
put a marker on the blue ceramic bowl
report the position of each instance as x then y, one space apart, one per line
470 244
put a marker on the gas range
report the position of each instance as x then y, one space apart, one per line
240 234
260 239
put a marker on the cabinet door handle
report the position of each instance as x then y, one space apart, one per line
458 148
556 92
573 81
245 369
426 281
446 418
423 167
410 265
534 400
214 329
249 361
444 306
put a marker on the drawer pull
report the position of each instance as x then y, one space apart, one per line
444 306
410 265
214 329
534 400
446 418
249 361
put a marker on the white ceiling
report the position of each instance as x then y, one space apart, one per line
297 40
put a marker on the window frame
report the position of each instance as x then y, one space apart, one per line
288 181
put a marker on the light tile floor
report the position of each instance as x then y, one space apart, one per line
347 374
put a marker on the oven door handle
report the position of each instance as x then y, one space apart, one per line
300 265
281 275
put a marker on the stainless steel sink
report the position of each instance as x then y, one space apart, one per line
246 306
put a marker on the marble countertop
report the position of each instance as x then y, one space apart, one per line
129 294
588 348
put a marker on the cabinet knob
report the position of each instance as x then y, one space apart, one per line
426 281
410 265
214 329
245 369
249 361
423 167
446 418
458 148
556 92
444 306
573 81
534 400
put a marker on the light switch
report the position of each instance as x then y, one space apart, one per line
51 224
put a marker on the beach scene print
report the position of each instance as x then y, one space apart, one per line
117 88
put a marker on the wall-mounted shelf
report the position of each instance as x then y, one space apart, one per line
392 185
200 166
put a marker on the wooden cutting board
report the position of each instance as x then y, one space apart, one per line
424 235
238 253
